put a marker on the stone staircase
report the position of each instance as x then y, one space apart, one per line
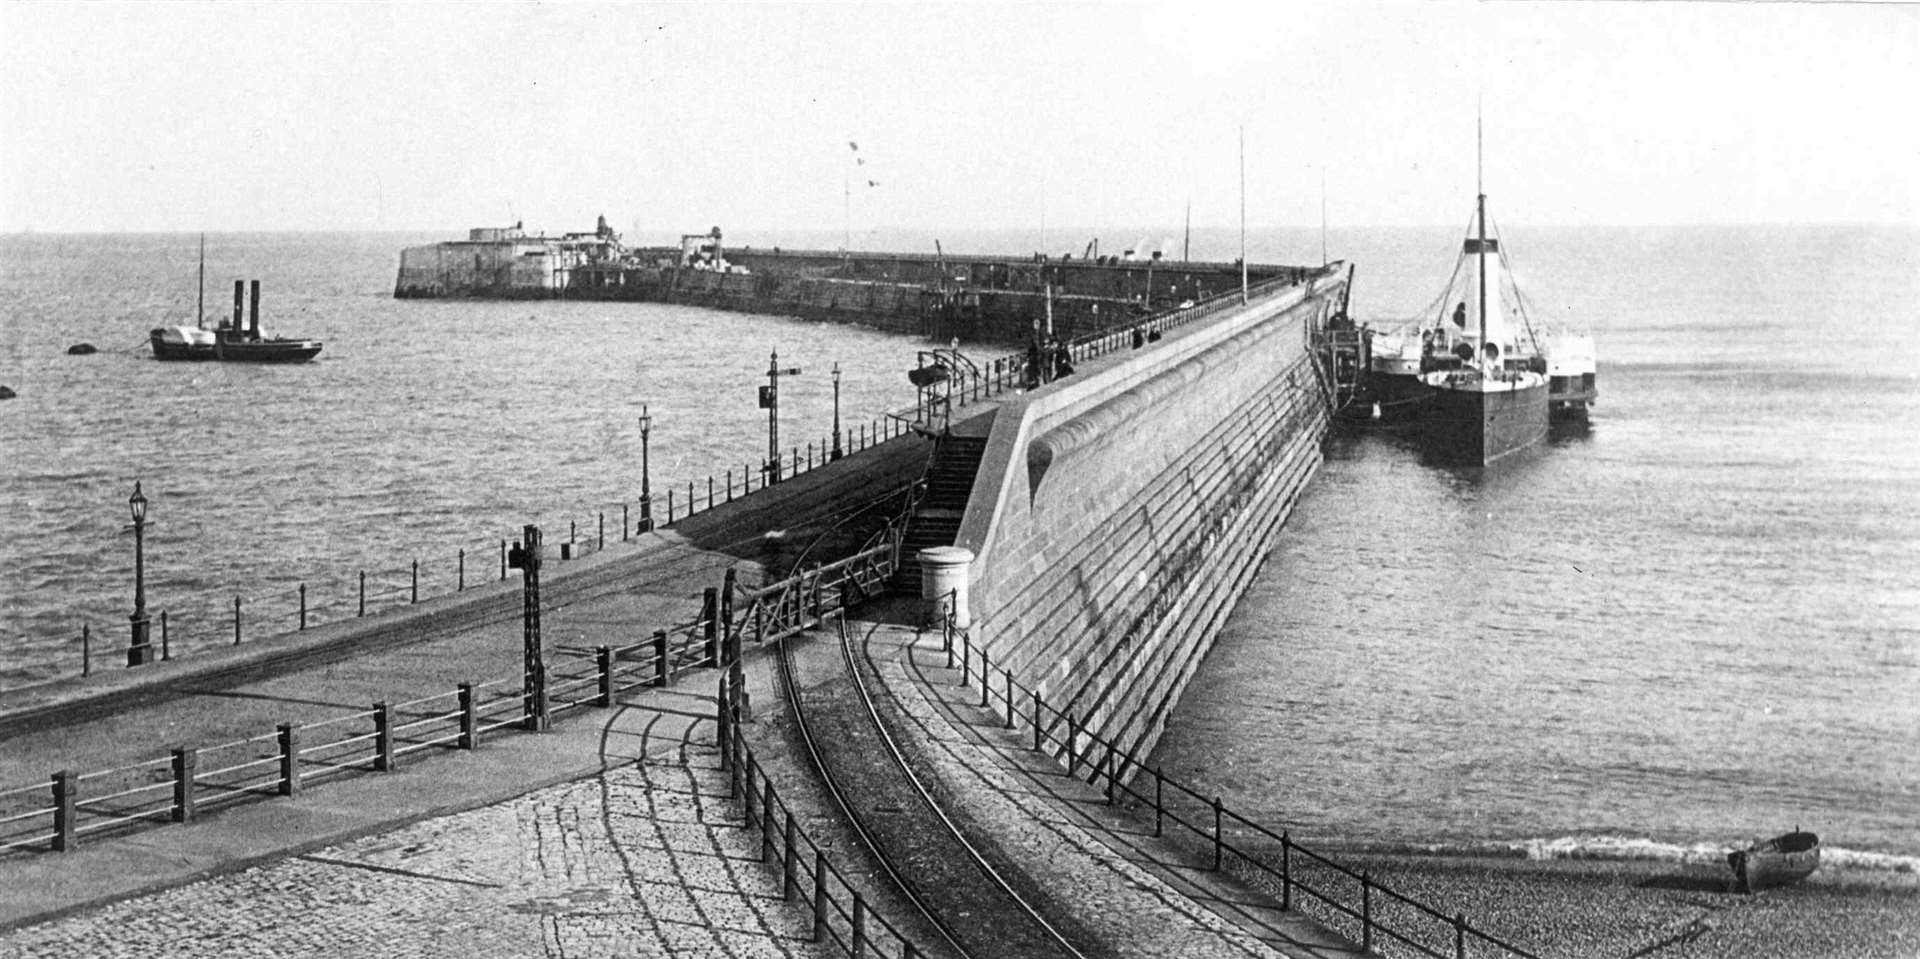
936 519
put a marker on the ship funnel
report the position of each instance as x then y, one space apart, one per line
254 321
239 305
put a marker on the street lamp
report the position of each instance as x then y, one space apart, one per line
836 409
140 651
646 479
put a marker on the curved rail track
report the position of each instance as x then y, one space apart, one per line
919 847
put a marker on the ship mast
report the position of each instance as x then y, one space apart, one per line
1480 187
200 307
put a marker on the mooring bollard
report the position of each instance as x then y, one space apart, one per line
236 620
166 648
303 606
416 583
503 560
86 649
363 592
603 529
461 582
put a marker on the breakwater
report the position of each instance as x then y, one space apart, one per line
965 297
1116 518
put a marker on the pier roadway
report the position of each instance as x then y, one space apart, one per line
1097 872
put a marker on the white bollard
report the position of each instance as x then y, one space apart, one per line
943 579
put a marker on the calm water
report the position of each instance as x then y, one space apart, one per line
1694 622
423 428
1698 620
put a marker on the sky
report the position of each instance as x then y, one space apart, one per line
674 117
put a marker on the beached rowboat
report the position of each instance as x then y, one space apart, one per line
1775 862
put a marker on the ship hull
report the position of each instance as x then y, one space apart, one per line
1471 425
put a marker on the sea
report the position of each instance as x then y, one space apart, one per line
1693 621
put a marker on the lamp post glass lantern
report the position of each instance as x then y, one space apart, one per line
836 410
140 647
646 479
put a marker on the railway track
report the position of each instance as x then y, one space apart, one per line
981 908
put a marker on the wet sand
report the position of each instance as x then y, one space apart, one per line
1580 908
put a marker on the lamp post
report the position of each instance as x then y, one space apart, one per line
770 401
836 410
140 650
646 479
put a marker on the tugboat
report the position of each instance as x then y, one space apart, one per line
238 342
1489 399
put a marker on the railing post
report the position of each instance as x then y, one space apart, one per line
86 648
859 924
236 620
414 597
65 786
363 592
1009 678
603 658
1216 834
720 731
382 738
303 606
746 784
1366 913
503 561
1460 936
662 668
603 530
1036 719
1286 871
1159 808
289 759
469 717
623 523
185 760
460 583
789 883
1073 744
986 678
166 650
766 817
819 895
1107 768
710 617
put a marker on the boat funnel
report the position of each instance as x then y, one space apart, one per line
254 321
239 305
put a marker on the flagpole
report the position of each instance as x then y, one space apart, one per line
1243 213
846 213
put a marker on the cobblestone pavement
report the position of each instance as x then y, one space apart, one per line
648 858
